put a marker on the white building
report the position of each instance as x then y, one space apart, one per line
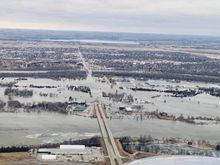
48 157
66 149
72 147
128 109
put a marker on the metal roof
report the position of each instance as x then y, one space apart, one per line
58 151
49 157
76 147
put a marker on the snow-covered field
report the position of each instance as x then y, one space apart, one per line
177 160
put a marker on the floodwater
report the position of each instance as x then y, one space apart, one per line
35 128
99 41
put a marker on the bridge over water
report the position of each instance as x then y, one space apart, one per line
110 145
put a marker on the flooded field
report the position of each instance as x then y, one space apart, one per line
43 127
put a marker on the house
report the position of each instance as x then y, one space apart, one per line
125 109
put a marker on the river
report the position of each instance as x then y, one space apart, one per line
37 128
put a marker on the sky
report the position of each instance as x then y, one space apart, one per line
197 17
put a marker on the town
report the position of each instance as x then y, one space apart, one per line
108 84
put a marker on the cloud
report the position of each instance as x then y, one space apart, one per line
160 16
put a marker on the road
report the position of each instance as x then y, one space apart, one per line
85 64
112 150
88 69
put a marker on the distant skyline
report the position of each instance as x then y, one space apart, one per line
196 17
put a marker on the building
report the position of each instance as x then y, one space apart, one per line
78 108
66 150
126 109
72 147
48 157
71 153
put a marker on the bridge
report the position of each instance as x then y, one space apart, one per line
110 145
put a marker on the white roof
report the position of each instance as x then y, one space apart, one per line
43 150
179 160
129 109
65 151
73 147
49 157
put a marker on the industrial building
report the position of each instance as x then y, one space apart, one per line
71 153
65 149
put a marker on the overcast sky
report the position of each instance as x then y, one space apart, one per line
150 16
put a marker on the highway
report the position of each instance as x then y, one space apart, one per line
85 65
111 148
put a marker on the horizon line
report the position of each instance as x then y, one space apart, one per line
127 32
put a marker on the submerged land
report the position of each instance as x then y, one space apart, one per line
160 94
